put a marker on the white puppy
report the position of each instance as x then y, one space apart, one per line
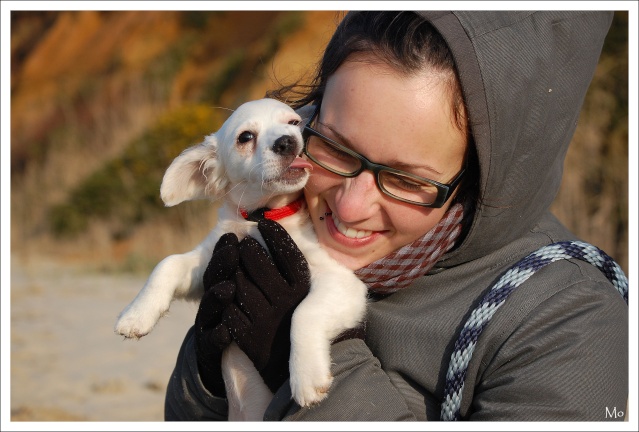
253 161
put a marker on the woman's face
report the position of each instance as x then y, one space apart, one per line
403 122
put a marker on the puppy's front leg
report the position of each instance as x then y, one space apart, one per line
176 276
336 302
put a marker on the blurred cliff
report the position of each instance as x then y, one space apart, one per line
101 102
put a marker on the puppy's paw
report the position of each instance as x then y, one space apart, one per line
310 378
134 323
310 392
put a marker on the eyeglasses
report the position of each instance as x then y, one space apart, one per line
401 185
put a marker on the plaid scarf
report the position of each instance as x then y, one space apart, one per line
398 269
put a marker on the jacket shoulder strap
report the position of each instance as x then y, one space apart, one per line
496 296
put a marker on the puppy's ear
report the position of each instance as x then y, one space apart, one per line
195 174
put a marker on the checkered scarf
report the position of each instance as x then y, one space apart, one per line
398 269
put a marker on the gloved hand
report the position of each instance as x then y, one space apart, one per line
267 291
211 335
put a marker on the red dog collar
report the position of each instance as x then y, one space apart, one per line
274 214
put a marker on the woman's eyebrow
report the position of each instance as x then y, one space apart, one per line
394 163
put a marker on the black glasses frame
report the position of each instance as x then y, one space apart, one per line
444 191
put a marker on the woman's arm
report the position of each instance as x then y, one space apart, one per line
361 391
186 397
566 361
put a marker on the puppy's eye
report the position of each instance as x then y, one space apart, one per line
294 122
245 137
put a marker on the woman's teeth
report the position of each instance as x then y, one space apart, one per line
349 232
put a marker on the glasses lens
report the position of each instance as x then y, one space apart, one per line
408 188
331 157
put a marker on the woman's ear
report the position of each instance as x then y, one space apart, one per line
196 173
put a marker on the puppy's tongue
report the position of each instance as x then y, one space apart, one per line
301 163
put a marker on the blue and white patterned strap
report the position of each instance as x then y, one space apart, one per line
515 276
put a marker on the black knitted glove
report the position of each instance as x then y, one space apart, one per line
211 336
267 292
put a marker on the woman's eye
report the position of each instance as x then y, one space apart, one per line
406 183
337 152
245 137
411 185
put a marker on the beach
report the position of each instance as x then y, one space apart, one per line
67 364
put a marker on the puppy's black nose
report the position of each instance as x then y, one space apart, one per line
285 145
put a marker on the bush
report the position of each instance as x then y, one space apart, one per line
126 190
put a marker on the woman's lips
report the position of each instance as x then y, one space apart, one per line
349 232
348 237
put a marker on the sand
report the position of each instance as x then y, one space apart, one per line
67 364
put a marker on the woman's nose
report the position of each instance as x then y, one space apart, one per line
358 198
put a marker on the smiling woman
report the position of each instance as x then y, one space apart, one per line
423 101
402 125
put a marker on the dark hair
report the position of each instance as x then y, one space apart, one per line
403 40
407 42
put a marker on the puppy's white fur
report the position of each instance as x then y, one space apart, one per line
249 165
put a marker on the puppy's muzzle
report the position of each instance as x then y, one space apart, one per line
286 145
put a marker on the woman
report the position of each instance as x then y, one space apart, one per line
438 141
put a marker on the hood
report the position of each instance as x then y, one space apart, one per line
524 76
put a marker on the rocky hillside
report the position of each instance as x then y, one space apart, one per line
101 102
